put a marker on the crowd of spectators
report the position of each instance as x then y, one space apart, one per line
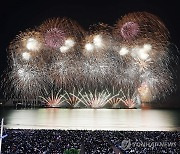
22 141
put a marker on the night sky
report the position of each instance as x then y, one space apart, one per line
17 16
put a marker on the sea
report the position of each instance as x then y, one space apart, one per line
92 119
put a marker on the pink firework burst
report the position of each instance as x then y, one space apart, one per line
129 30
54 37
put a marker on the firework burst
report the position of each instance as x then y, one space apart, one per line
95 99
141 37
52 99
138 25
61 34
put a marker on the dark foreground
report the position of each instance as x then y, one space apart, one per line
21 141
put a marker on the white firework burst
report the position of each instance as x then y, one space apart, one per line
95 99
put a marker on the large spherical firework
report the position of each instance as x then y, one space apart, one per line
141 24
54 33
141 49
61 34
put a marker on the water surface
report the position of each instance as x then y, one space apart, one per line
101 119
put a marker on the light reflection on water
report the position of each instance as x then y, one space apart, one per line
101 119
